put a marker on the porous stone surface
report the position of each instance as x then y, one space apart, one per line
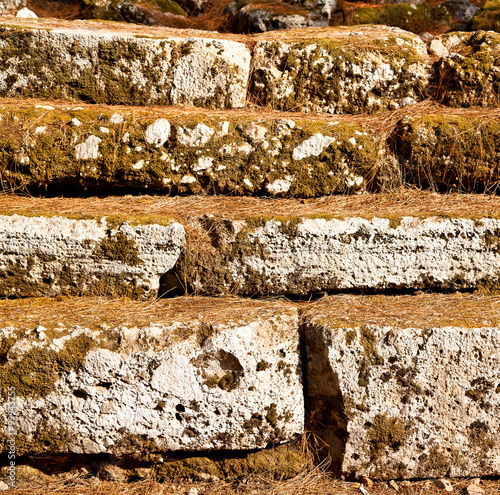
99 66
340 70
260 16
198 375
449 153
300 256
469 75
191 153
406 402
43 256
11 6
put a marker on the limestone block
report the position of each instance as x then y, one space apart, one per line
340 70
406 402
469 75
180 376
173 152
49 256
449 153
300 256
102 66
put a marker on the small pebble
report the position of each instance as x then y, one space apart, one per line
444 485
474 490
394 485
367 482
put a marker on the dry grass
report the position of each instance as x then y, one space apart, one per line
419 311
93 312
312 483
119 28
395 204
407 311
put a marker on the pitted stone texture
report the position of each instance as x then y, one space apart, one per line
111 67
50 256
301 256
176 153
407 402
340 70
229 380
11 6
470 75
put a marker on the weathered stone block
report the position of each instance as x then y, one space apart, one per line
259 16
100 66
190 153
300 256
470 75
132 379
49 256
449 153
340 70
401 400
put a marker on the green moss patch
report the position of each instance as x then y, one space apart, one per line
386 433
35 374
472 78
450 153
415 18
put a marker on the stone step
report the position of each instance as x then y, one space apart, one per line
356 69
248 246
109 149
400 386
128 378
114 63
406 387
45 256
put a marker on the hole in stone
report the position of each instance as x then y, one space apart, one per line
178 417
105 385
355 456
217 412
368 424
180 408
170 285
80 394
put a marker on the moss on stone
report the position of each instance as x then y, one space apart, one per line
414 18
449 153
471 79
282 462
118 247
320 85
386 433
35 374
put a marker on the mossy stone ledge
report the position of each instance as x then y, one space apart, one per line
42 256
134 381
101 64
170 151
450 152
300 256
359 69
399 400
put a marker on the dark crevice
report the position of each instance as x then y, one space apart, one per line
325 408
